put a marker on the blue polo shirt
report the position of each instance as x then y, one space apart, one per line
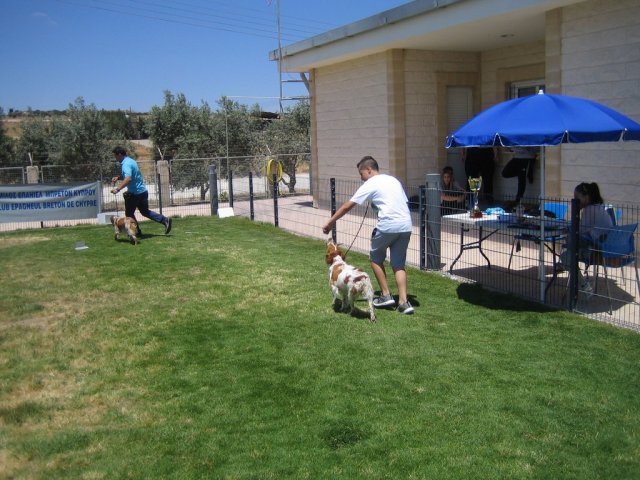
130 169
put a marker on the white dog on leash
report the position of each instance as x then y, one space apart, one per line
347 281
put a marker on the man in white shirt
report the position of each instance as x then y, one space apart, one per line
393 230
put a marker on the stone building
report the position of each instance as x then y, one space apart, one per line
393 85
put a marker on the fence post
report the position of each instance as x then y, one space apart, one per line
422 211
275 200
213 189
159 183
433 222
251 210
311 189
230 188
32 177
334 230
573 253
32 174
162 169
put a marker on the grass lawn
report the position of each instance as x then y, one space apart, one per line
214 352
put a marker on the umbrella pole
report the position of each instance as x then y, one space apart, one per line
541 276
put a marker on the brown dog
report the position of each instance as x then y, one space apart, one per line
125 224
347 281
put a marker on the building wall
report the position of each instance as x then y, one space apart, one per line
553 84
351 116
600 60
392 105
499 69
427 74
591 50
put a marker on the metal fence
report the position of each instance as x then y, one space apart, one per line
188 179
500 259
12 175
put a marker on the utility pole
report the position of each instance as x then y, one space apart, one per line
279 52
303 78
226 129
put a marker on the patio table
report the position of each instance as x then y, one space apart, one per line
489 222
488 225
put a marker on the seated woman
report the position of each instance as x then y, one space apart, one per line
594 219
452 195
594 224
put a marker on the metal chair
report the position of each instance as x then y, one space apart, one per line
556 210
616 251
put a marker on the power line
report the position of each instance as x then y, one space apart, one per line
234 5
190 21
232 17
309 27
190 17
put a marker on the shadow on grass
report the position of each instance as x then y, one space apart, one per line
477 295
143 236
357 312
22 413
525 282
344 434
152 235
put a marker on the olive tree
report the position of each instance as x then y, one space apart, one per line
82 142
7 158
180 130
32 147
289 135
168 123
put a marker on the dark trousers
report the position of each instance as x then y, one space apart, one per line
141 203
517 167
479 162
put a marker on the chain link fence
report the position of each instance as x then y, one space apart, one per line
502 264
13 176
187 184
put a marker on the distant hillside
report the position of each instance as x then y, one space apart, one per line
12 127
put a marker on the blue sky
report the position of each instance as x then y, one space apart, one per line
123 54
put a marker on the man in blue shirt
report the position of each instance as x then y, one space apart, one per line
136 196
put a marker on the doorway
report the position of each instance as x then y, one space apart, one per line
459 110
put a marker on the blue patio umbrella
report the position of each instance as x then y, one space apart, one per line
541 120
545 119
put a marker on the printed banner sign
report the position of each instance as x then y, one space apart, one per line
41 202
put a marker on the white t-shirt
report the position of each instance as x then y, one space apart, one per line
388 198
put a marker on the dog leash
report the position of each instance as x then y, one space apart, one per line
117 209
359 228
